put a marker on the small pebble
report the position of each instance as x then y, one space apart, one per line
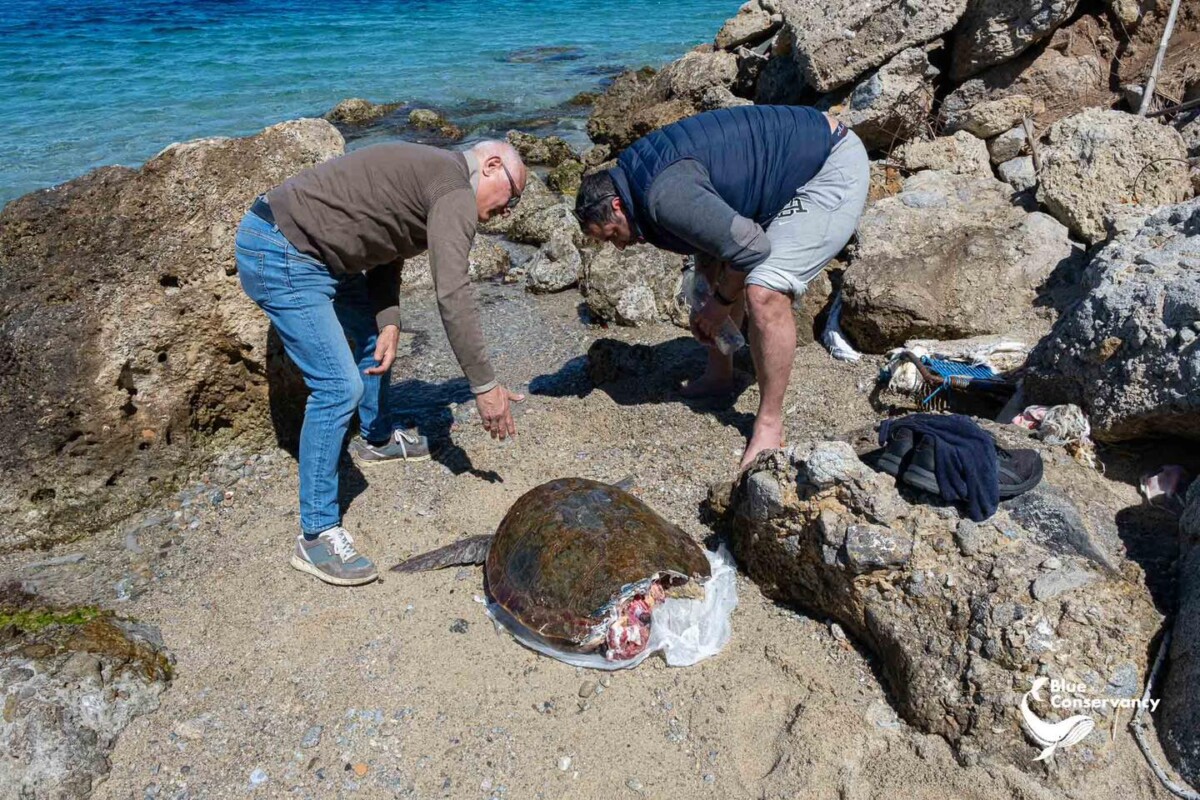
710 778
564 763
836 631
312 737
360 769
606 681
258 777
634 784
459 626
587 689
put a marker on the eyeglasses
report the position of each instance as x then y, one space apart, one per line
514 196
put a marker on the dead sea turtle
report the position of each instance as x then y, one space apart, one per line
582 565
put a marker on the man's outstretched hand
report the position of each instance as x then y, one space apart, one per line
495 408
386 345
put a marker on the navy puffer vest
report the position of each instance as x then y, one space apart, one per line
756 156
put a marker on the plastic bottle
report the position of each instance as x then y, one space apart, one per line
695 291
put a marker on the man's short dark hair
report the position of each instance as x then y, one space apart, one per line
593 202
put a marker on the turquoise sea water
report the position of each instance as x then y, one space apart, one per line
87 83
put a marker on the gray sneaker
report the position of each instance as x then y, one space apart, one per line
332 558
402 446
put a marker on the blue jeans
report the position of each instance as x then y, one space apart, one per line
314 311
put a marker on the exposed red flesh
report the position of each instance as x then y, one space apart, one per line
630 631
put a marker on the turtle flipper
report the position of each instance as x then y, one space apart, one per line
472 550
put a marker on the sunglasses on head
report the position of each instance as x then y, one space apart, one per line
514 196
578 212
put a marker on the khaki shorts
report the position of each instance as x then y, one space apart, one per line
818 222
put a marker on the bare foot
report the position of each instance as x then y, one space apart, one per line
708 385
767 436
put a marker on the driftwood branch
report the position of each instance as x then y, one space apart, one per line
1148 93
1034 150
1188 106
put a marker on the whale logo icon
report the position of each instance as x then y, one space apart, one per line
1052 735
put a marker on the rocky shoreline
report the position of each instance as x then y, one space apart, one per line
1014 195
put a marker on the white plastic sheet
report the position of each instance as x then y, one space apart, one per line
684 631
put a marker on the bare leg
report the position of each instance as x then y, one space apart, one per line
773 345
717 378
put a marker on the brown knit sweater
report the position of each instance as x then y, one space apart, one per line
370 209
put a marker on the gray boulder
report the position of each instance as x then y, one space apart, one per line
892 105
836 42
556 266
1099 162
634 286
1007 145
961 154
995 31
1181 692
1070 75
639 102
73 679
949 257
539 227
1128 352
1019 173
135 355
751 25
960 616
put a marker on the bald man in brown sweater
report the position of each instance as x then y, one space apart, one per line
321 255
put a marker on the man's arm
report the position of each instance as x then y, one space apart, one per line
451 229
383 287
684 202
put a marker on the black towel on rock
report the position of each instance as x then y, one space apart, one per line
965 459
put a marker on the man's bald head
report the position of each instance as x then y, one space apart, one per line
502 177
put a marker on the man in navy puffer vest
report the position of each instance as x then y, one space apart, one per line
764 197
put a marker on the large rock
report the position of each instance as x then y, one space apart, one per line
128 351
961 153
836 42
1099 162
488 259
1128 351
548 150
73 679
960 616
634 286
752 25
556 266
892 105
357 111
779 80
539 227
995 31
639 102
947 258
1069 75
1181 693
